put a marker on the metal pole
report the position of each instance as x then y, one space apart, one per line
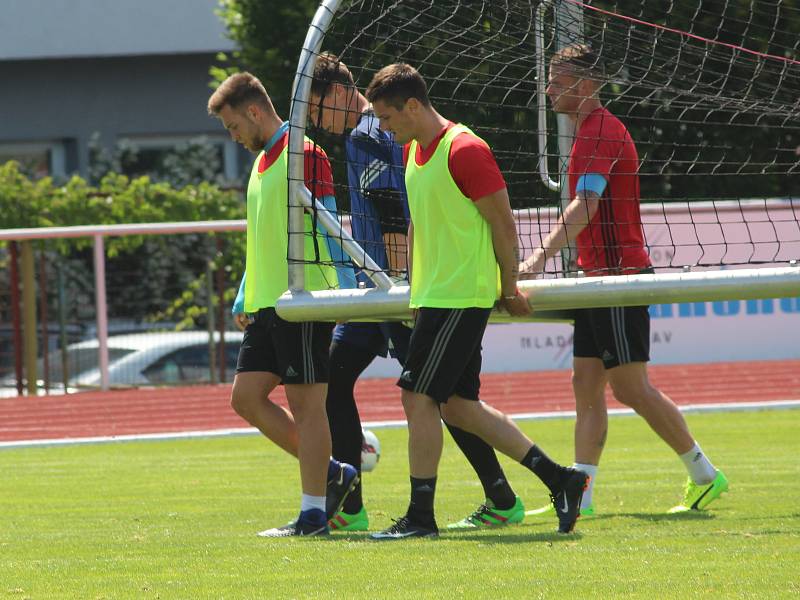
558 295
101 307
541 98
43 320
16 319
349 245
298 115
62 325
569 30
212 347
29 316
221 355
42 233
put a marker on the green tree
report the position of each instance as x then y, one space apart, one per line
148 277
710 121
160 278
269 34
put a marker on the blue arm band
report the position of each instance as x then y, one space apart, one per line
591 182
344 268
238 304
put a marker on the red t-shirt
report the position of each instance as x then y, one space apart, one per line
613 242
471 164
317 168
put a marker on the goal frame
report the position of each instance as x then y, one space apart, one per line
549 298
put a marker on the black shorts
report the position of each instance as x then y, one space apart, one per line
297 352
617 335
378 338
444 357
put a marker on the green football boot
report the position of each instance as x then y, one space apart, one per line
488 516
697 497
342 521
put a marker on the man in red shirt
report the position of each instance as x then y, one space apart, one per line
611 345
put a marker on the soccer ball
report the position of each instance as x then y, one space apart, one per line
370 450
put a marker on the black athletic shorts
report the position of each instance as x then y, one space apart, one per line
297 352
617 336
378 338
444 357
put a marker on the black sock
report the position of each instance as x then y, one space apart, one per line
483 459
544 468
347 362
501 494
354 501
420 509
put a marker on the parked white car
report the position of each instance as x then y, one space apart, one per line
139 359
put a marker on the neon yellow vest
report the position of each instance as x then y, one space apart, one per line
453 257
268 240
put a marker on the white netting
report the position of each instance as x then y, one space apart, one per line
708 89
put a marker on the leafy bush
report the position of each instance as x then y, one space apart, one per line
148 277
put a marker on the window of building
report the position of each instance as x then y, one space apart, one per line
37 159
207 156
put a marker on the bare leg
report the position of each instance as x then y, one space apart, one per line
632 387
250 400
591 423
307 403
424 434
495 428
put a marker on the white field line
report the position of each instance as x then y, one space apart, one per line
533 416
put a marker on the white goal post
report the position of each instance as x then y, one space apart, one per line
548 297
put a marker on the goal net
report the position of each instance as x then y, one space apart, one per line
710 91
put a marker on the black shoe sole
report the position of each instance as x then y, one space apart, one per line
429 535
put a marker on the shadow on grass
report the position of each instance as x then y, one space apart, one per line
510 536
691 515
521 534
513 535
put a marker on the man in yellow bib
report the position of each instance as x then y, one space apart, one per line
463 258
275 351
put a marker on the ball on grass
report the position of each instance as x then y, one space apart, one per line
370 450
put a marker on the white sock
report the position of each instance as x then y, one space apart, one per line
308 502
700 468
591 471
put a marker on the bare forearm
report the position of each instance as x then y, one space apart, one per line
573 220
506 251
496 210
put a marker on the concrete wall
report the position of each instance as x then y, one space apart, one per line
69 99
35 29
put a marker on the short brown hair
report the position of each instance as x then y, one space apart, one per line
395 84
239 90
329 70
581 58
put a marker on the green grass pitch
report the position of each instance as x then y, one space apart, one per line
177 519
